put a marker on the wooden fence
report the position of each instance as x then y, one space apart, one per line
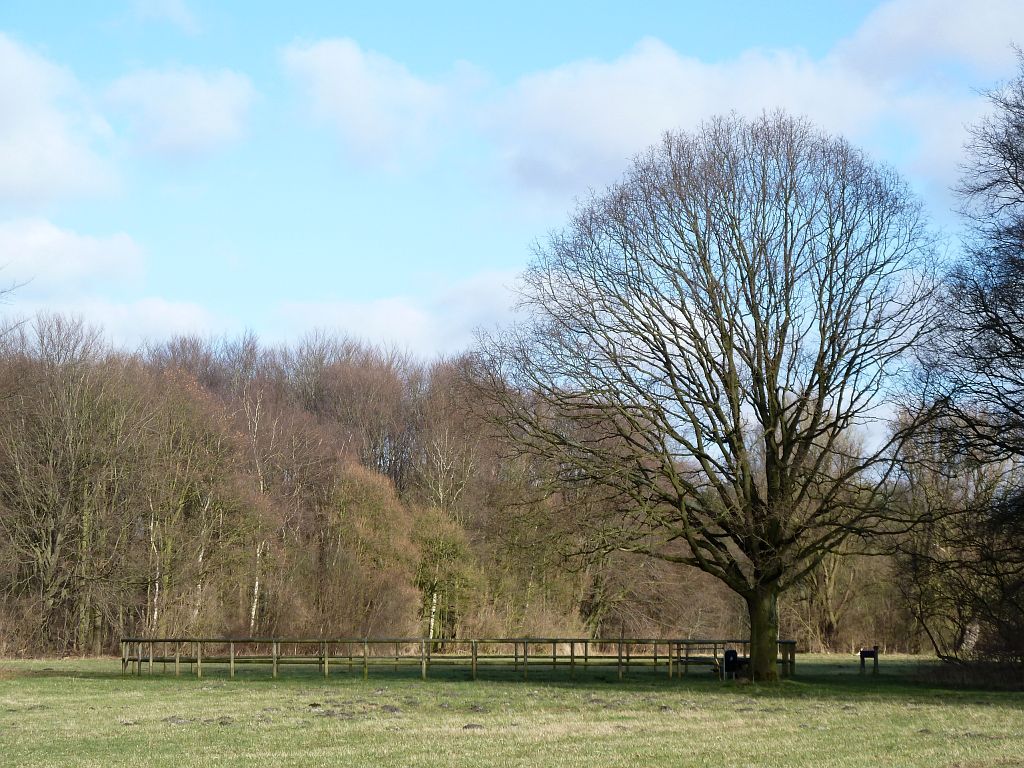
356 656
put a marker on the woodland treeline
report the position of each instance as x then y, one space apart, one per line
328 488
675 444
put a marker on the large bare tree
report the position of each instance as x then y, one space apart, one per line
703 339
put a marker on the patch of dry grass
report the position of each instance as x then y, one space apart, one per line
83 713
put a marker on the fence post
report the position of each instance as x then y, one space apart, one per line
675 655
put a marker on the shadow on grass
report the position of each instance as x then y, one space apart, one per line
833 679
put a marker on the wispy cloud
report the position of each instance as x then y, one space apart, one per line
382 112
60 270
184 110
48 132
129 323
896 85
562 130
51 261
907 38
440 323
578 125
174 12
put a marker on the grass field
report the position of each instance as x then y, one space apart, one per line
83 713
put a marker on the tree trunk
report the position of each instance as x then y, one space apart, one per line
433 614
762 604
254 609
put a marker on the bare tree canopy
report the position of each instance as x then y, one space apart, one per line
981 354
965 567
706 337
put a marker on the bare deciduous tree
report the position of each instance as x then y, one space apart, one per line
961 569
703 336
981 353
965 569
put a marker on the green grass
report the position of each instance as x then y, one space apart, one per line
83 713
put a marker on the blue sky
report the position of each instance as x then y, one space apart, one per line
168 166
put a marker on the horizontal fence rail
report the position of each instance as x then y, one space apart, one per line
357 655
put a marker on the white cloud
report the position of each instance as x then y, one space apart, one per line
47 132
184 111
438 324
381 110
174 12
896 85
53 260
918 54
75 274
127 324
937 122
903 37
578 124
